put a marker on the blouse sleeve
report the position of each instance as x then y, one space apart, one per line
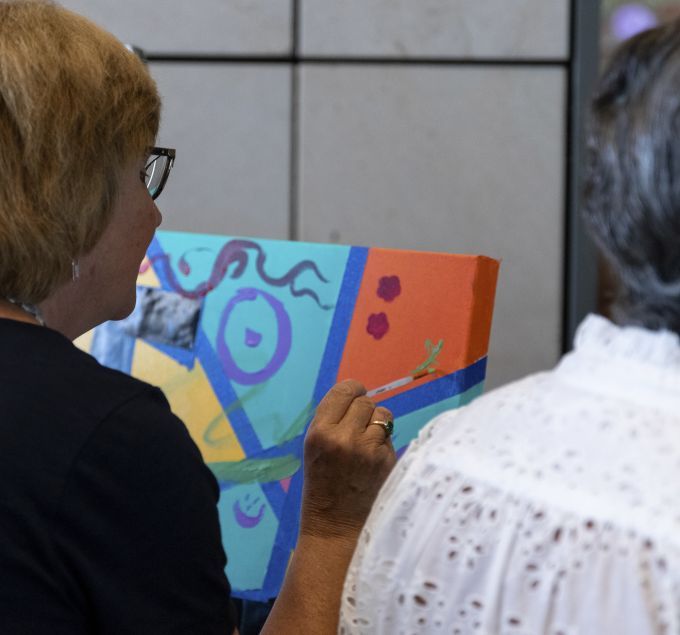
137 528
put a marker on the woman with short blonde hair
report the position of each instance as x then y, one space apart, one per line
550 506
108 520
66 131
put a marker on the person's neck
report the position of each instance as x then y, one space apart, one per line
62 312
11 311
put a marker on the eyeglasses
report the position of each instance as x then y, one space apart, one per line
157 169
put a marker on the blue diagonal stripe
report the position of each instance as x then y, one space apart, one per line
437 390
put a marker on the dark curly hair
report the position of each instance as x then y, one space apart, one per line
632 188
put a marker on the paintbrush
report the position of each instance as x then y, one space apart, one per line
423 370
398 383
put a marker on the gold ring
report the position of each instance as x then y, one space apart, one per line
387 426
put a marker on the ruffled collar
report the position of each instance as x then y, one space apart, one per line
629 363
599 337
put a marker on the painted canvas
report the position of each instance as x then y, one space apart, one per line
245 337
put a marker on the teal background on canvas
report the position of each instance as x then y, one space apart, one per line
290 390
276 403
282 398
248 549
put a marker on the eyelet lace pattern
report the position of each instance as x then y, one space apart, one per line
550 506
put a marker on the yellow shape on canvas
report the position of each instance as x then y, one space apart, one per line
149 277
192 399
84 342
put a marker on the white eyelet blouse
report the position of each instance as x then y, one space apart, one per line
550 506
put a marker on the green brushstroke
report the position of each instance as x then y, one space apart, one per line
432 358
297 427
256 470
247 396
235 405
208 434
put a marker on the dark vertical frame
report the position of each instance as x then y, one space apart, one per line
581 268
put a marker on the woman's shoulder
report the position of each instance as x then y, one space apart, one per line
63 374
487 414
60 396
546 440
472 553
528 497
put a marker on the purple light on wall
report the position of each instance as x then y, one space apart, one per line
630 19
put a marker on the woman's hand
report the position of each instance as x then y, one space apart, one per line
346 461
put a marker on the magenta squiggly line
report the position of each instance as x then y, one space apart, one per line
235 252
183 264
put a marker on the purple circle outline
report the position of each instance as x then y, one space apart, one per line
283 344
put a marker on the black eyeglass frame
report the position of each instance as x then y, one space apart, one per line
161 152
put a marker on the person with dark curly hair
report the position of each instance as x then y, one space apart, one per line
550 506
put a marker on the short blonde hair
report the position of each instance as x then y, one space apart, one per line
75 107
